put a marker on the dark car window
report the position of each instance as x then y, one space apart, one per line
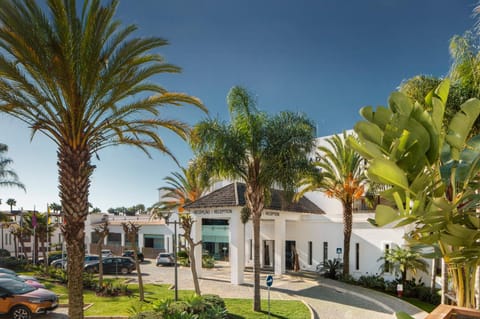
15 287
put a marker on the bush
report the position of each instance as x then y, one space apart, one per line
198 307
208 261
147 315
13 263
372 281
4 253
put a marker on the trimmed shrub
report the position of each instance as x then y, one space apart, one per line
147 315
4 253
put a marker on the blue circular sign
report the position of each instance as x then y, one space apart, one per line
269 280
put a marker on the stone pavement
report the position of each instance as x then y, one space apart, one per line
329 299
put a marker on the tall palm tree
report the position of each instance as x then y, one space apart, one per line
8 177
258 149
183 188
341 176
82 79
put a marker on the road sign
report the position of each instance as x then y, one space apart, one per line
269 280
339 250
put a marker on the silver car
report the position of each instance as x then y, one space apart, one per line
165 259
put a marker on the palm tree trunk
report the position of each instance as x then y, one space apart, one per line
16 245
75 171
256 262
255 202
347 234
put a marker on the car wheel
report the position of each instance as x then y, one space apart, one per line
58 266
124 270
21 312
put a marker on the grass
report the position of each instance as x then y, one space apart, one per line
127 305
425 306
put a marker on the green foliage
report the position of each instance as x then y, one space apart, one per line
195 307
208 261
331 268
8 177
4 253
147 315
372 281
13 263
432 174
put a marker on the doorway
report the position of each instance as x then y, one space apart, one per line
268 256
290 250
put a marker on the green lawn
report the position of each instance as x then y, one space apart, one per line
124 305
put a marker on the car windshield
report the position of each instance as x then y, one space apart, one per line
16 287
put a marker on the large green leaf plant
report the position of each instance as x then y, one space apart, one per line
433 173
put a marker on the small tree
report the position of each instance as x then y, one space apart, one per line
403 260
131 231
101 231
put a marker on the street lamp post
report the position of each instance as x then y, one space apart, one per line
175 258
166 216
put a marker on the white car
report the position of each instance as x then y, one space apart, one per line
107 253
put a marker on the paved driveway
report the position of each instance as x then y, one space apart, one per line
329 299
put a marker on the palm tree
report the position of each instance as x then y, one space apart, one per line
56 208
101 231
258 149
11 202
403 260
42 232
8 178
82 80
340 176
184 188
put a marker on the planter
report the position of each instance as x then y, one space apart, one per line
453 312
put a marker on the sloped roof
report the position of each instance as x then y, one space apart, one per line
233 195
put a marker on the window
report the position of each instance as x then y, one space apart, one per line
310 250
251 249
386 265
325 251
357 256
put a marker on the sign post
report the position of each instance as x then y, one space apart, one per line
339 252
269 284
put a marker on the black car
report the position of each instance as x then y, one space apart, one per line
112 265
129 253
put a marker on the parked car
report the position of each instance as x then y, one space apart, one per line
129 253
19 300
165 259
112 265
7 271
59 263
62 263
51 258
107 253
31 282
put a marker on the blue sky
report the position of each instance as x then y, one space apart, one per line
326 58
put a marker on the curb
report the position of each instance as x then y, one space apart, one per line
312 313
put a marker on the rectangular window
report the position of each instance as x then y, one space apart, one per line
386 265
251 249
325 251
310 251
357 256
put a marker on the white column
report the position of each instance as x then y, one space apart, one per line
141 242
280 233
197 236
122 239
237 250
